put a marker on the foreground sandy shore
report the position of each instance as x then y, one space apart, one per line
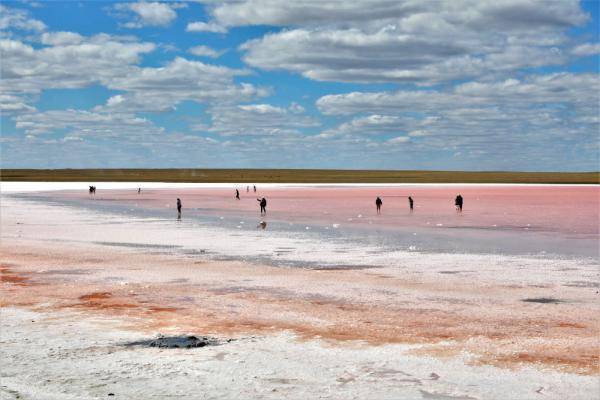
427 326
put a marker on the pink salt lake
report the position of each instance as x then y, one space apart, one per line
543 213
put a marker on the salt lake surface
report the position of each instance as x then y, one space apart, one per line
560 220
499 300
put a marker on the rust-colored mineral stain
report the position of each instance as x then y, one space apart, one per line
103 301
16 279
7 275
96 296
588 364
163 309
108 306
570 325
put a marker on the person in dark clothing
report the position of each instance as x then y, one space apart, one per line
458 202
411 203
378 204
237 194
263 205
254 188
178 208
139 190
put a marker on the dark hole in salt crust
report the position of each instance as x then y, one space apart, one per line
178 342
544 300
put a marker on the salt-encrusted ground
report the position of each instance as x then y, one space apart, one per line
314 314
72 356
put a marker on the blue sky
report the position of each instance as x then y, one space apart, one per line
460 84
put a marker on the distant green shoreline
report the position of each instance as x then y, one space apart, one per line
293 176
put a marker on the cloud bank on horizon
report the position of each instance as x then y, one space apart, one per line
382 84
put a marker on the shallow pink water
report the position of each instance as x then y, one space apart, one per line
564 209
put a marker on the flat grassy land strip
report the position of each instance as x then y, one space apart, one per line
293 176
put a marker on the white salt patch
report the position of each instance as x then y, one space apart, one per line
86 360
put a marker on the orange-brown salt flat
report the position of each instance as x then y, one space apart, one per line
169 294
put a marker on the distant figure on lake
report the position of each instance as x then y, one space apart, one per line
247 189
178 208
237 194
254 188
458 202
378 204
139 190
411 203
92 189
263 205
262 225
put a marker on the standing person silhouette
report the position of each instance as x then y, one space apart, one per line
263 205
411 203
237 194
378 204
458 202
178 208
254 188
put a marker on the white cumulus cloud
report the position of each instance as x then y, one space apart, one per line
148 13
205 27
205 51
587 49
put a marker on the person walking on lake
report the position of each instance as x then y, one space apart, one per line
378 204
254 188
411 203
237 194
458 202
263 205
178 208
